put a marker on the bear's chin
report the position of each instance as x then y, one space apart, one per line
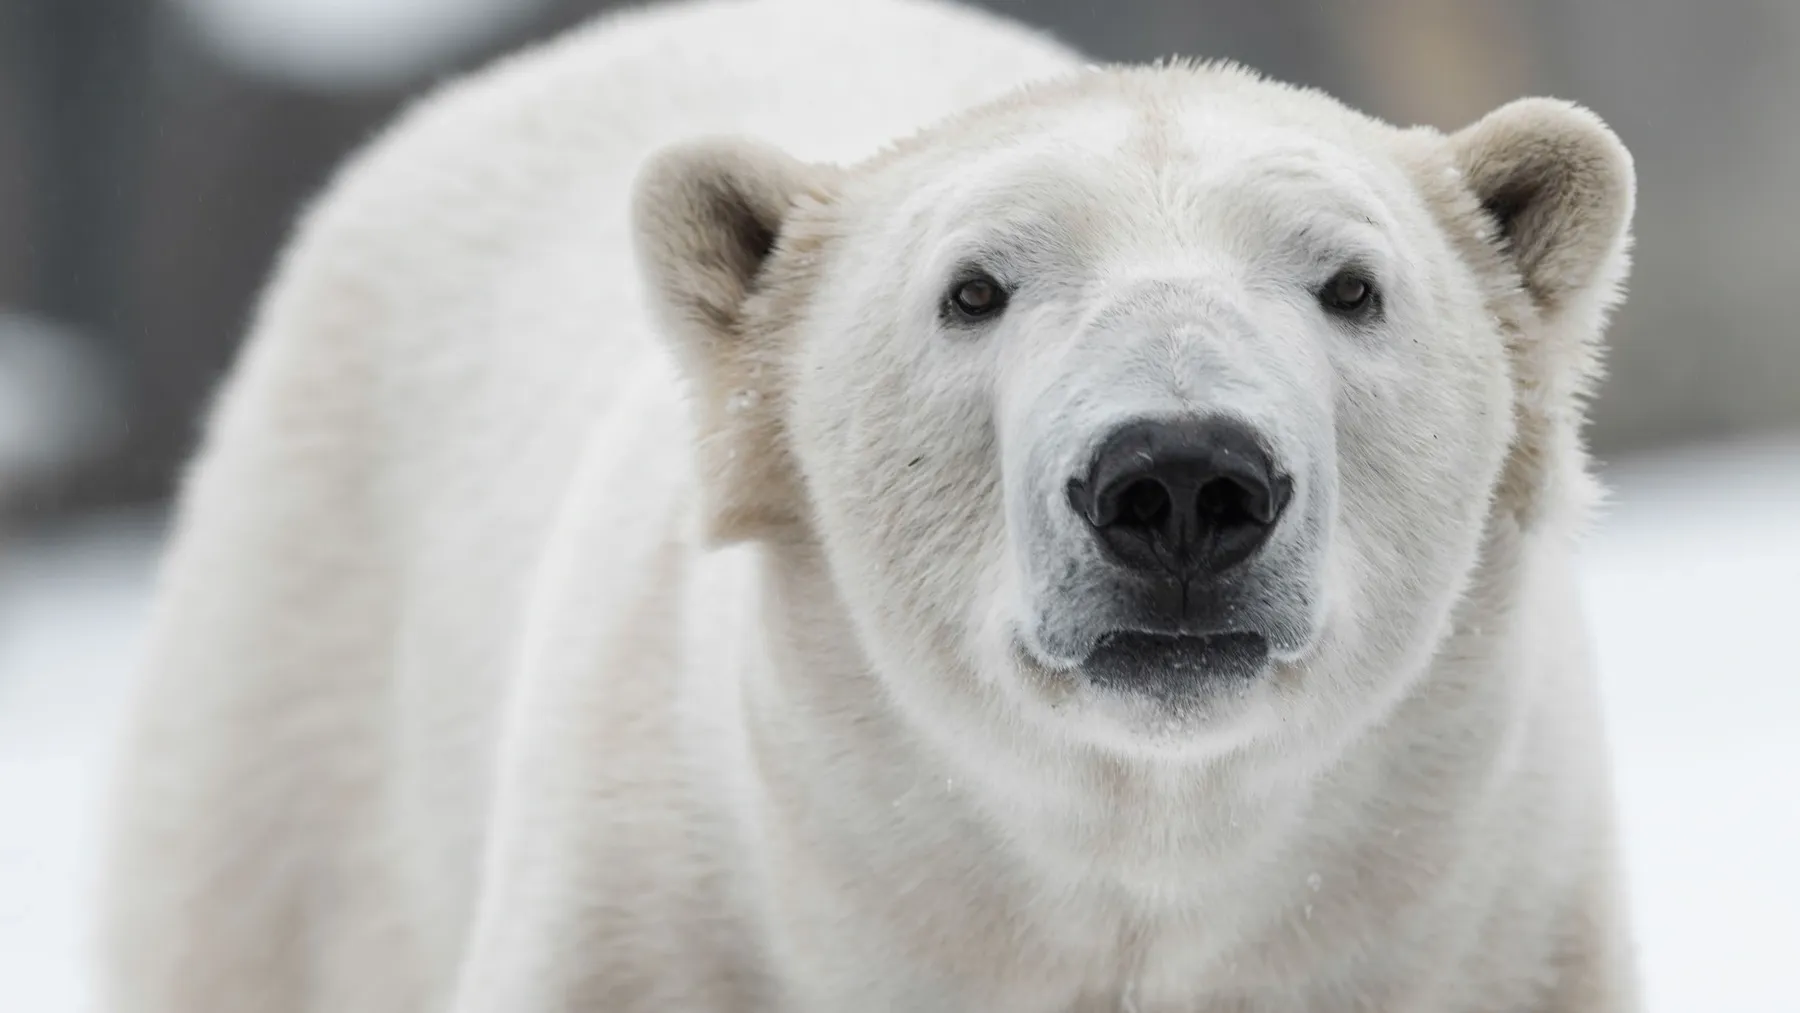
1176 666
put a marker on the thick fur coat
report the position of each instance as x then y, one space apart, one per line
631 568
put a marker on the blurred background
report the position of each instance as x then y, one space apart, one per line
153 155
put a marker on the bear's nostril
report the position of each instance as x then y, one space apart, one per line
1144 504
1227 503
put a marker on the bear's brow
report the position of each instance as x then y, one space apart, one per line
1280 183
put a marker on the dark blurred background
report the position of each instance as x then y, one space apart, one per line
153 154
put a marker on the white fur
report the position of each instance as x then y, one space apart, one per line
460 699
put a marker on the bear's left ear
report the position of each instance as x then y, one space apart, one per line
1559 187
710 218
1556 191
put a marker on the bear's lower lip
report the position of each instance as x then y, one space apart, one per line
1174 664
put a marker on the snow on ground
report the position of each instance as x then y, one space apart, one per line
1690 581
71 606
1693 585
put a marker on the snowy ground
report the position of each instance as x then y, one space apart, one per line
1692 579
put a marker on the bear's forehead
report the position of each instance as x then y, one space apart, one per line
1109 146
1155 115
1112 161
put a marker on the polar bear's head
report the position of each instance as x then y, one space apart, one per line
1154 407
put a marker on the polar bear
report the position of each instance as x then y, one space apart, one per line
785 505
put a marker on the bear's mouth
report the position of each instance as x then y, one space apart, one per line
1165 664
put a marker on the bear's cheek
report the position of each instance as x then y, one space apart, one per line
906 487
1415 463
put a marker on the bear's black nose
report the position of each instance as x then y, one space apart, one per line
1181 496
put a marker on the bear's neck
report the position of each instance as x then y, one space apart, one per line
910 835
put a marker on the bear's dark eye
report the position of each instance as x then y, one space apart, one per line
977 298
1349 294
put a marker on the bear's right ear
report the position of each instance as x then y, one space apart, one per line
707 218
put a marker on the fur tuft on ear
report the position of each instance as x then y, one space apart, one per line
708 217
1559 188
1553 195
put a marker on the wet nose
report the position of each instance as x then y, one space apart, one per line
1181 496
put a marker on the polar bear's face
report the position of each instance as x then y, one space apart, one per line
1158 409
